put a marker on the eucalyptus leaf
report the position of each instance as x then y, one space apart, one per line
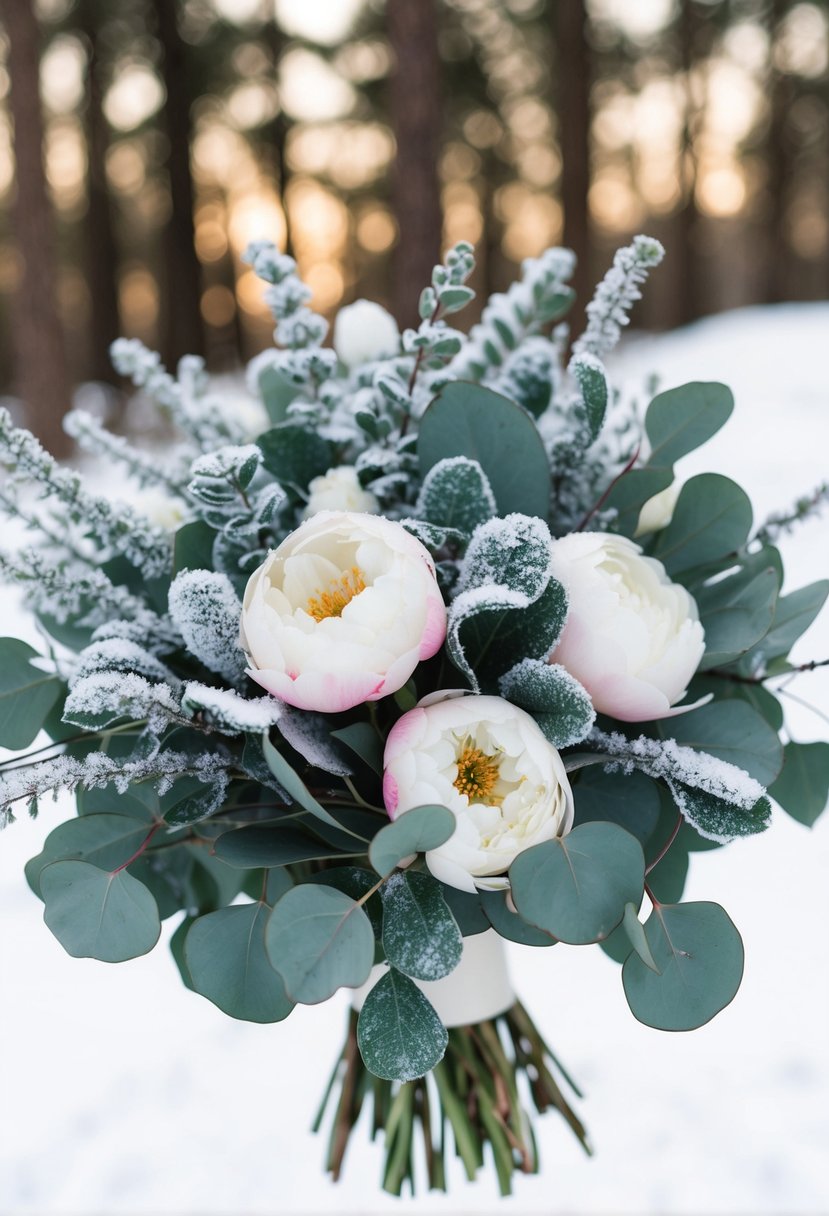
226 960
468 420
420 935
415 831
591 378
456 494
97 914
290 781
104 840
399 1034
736 613
253 846
682 419
711 520
635 932
631 491
802 789
576 886
732 731
362 739
509 924
630 800
319 940
26 694
699 954
294 455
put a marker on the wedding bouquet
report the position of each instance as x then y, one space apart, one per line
431 655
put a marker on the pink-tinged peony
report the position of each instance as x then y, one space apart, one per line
489 763
341 612
632 637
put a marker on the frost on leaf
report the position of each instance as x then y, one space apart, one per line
560 705
108 696
206 611
228 712
720 800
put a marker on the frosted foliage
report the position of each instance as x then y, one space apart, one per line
546 688
670 761
607 312
310 735
229 713
99 769
512 552
116 526
206 610
120 654
225 462
117 694
91 436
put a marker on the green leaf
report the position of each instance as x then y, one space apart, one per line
510 554
630 493
103 840
684 418
591 378
467 420
711 520
732 731
227 963
793 615
295 787
802 788
576 886
96 914
294 455
355 882
560 705
716 819
193 547
420 935
319 940
632 800
736 612
362 739
399 1034
467 909
509 924
635 932
486 637
277 393
250 847
699 954
26 694
415 831
456 494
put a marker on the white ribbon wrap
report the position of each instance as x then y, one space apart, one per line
478 989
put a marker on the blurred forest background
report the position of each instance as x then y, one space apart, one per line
143 143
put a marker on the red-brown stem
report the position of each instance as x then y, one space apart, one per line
598 506
666 846
139 850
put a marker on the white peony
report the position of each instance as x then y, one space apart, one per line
489 763
339 490
364 332
341 612
632 637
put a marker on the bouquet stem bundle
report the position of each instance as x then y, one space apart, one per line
491 1072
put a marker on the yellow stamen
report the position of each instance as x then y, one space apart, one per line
341 591
477 774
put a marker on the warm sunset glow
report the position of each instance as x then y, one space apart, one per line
322 21
218 306
254 216
376 230
135 94
722 191
138 300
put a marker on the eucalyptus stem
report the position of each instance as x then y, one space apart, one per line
477 1092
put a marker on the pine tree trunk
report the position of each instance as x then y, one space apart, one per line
40 371
181 314
415 108
778 163
573 73
101 248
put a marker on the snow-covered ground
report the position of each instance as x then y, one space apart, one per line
124 1093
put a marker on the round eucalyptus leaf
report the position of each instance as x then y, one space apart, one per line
699 954
251 847
319 940
97 914
26 694
576 886
631 800
399 1034
226 960
509 924
414 831
468 420
420 935
104 840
